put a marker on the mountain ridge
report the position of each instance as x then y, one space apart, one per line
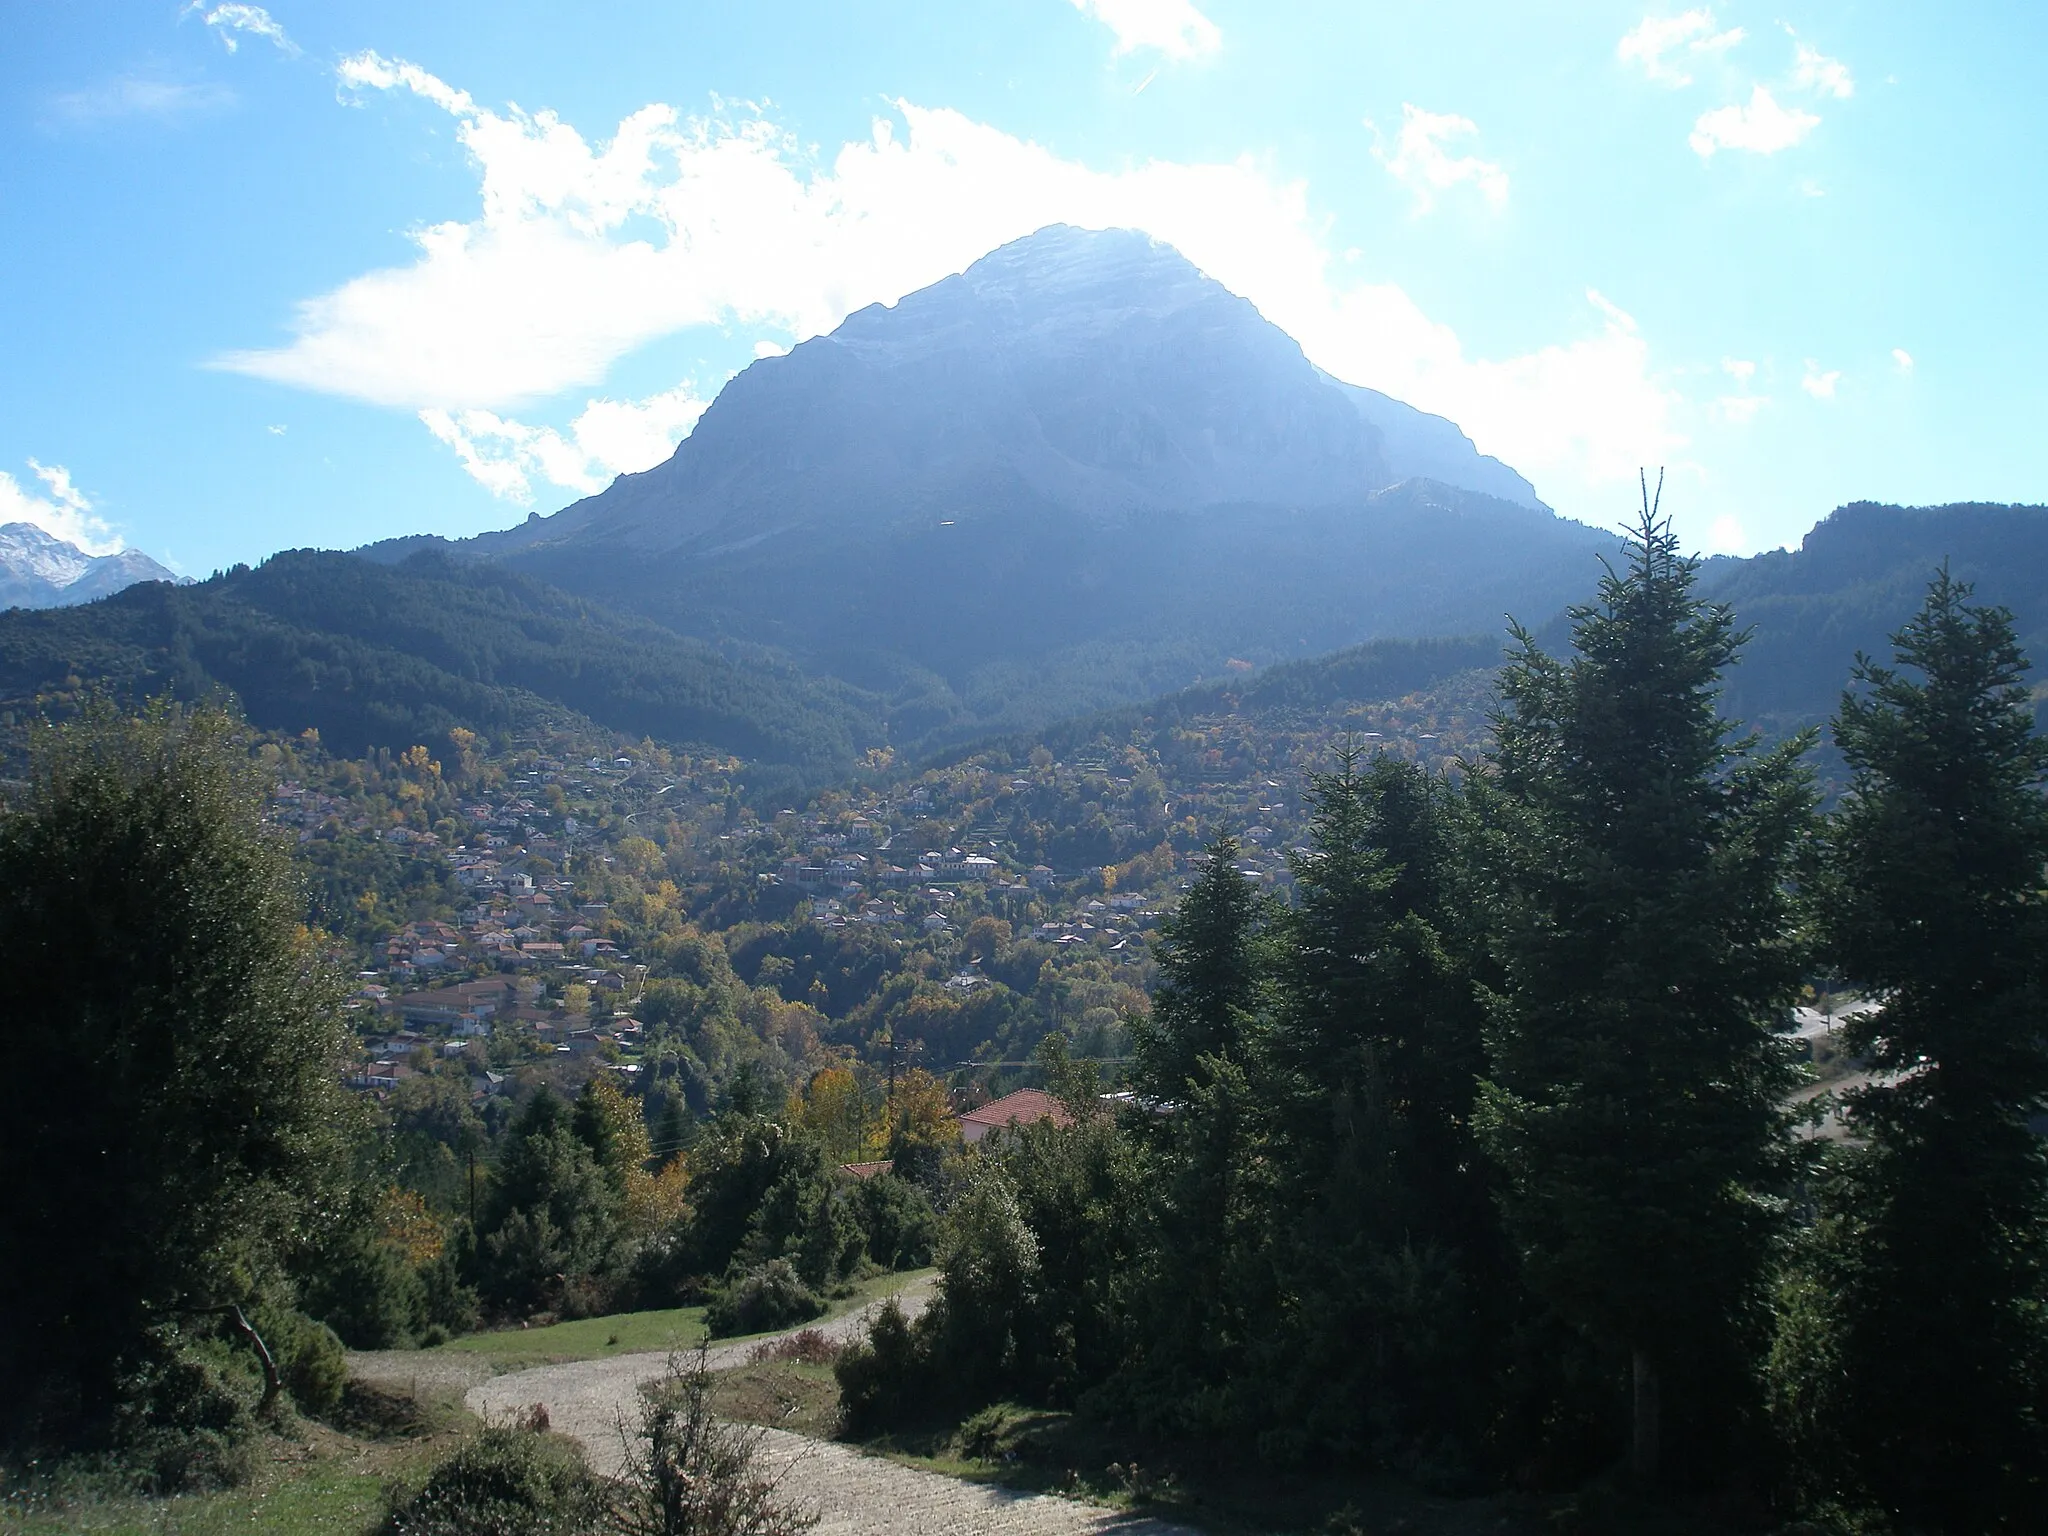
40 570
1077 474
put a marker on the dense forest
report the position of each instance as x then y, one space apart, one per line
384 656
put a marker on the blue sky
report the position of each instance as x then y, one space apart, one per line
315 274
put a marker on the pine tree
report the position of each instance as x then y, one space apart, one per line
1377 1031
1203 1124
1635 1081
1377 1049
1210 980
1934 1238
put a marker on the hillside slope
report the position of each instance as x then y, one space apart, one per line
1858 576
373 655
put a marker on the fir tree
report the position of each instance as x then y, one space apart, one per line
1635 1074
1934 1240
1378 1053
1204 1123
1209 965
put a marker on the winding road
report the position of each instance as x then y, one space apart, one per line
853 1494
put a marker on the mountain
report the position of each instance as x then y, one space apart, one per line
1855 579
40 570
1078 474
375 655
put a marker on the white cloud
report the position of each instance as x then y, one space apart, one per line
1651 40
1762 126
1819 384
583 253
63 511
1822 75
1741 370
1422 164
1726 537
227 20
1172 27
1902 360
610 437
275 430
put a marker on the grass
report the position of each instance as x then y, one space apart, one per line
781 1394
322 1480
629 1333
590 1338
313 1480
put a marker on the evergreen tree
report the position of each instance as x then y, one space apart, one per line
1204 1123
1933 1247
195 1127
1387 1203
1210 980
1635 1081
553 1216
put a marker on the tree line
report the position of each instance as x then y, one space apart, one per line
1480 1160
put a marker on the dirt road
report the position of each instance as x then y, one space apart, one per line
854 1495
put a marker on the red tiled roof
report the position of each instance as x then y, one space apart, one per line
1024 1106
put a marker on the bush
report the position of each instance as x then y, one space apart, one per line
368 1293
884 1377
184 1423
504 1482
310 1361
771 1296
695 1475
810 1347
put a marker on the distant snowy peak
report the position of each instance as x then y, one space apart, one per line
40 570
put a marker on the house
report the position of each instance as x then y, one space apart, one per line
865 1170
1027 1106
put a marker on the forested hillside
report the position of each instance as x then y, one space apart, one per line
375 656
1855 579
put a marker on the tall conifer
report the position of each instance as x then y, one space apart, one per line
1635 1074
1203 1122
1392 1250
1933 1243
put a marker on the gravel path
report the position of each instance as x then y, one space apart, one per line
858 1495
854 1494
585 1398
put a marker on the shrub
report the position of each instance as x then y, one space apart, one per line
809 1347
311 1361
697 1476
184 1423
771 1296
502 1482
884 1377
368 1293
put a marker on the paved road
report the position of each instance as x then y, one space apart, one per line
854 1494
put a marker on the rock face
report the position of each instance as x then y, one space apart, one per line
1079 473
40 570
1097 371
